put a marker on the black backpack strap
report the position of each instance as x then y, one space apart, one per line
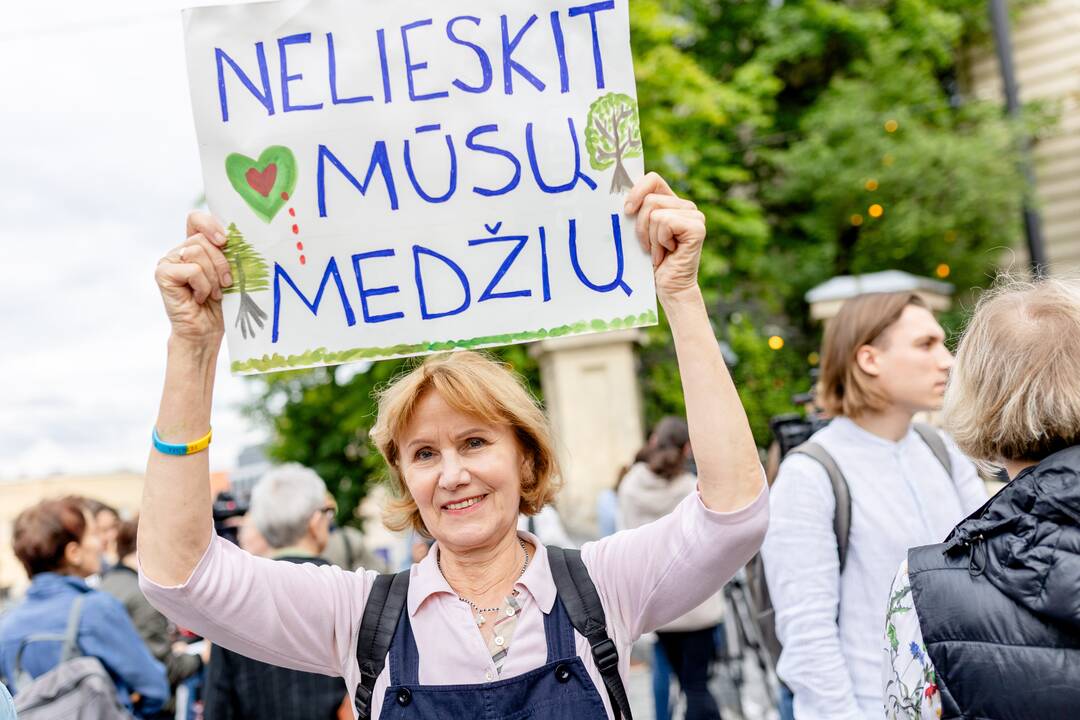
579 596
348 548
931 437
384 604
842 516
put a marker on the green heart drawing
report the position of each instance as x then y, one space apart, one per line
265 184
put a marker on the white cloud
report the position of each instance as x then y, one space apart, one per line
100 166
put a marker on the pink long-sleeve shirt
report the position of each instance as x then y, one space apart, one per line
308 618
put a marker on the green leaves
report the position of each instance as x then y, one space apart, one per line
323 424
612 134
249 270
775 119
612 131
891 176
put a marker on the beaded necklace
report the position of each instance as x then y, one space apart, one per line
510 605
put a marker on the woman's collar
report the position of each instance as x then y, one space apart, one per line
426 580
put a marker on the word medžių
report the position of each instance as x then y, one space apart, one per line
470 274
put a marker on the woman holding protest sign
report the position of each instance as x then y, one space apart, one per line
468 449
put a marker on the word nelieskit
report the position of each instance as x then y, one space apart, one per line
450 43
425 265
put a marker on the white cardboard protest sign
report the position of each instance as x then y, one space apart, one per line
405 177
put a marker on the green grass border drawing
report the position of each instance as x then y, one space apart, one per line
322 356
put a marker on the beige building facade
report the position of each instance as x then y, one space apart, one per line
121 490
1046 54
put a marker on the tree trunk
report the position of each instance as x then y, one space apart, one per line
621 182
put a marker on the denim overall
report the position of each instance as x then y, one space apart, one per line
559 690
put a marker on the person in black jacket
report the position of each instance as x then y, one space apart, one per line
289 508
987 624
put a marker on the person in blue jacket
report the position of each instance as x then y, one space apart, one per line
56 542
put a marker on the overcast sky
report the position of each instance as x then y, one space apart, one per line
100 165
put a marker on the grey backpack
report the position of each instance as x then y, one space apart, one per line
79 688
764 616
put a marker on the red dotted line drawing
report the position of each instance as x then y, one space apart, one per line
295 230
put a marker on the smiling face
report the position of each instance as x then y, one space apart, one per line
464 474
910 362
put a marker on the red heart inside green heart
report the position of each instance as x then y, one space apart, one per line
264 184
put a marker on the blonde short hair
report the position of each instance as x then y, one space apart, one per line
843 388
1014 392
474 384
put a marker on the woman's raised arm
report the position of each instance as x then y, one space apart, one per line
176 521
672 230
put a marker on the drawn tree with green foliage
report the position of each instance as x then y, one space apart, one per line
251 274
612 134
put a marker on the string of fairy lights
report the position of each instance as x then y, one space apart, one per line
874 211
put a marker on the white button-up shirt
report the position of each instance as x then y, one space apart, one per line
830 625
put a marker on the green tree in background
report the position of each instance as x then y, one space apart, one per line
819 137
698 113
858 153
887 164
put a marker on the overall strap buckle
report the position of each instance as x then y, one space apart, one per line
606 655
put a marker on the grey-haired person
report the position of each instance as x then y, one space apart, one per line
987 623
291 512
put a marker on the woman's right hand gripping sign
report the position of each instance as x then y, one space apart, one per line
190 278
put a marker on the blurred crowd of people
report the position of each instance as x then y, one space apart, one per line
77 547
890 582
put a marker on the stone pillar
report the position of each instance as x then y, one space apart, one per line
594 403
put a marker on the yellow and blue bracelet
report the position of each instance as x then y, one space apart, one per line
182 448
